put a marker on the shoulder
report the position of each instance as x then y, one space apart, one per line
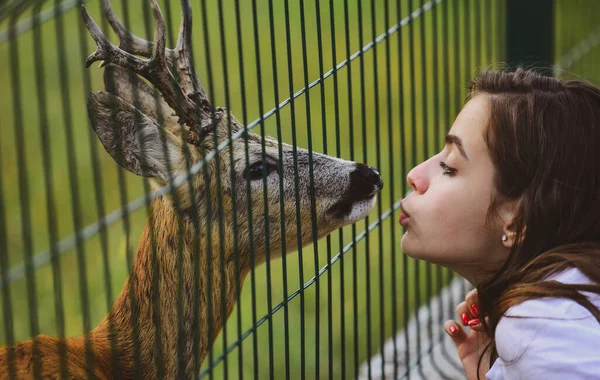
538 334
543 321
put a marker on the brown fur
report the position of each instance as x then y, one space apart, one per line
147 303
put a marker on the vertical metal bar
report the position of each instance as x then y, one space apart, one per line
181 340
153 246
232 173
436 132
413 123
447 117
328 238
458 68
313 206
449 113
296 187
530 40
392 168
476 14
338 151
500 8
100 205
74 188
49 189
24 196
363 112
265 195
467 40
177 205
404 166
210 211
487 15
238 23
459 48
355 360
425 143
479 57
160 370
122 187
281 192
379 203
438 138
448 121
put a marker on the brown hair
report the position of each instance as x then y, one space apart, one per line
543 137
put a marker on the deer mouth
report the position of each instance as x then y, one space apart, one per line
360 197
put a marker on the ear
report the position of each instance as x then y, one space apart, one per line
507 213
132 139
128 86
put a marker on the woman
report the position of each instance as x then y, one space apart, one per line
512 204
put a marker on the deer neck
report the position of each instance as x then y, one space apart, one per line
178 291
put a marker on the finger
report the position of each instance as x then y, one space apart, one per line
472 300
456 332
462 311
477 326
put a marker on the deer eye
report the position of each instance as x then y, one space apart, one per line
255 171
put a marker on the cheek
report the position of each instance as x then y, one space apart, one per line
448 225
445 215
261 193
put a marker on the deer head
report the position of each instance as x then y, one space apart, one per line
155 132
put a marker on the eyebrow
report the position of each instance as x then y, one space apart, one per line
455 140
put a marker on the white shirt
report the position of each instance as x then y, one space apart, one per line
566 347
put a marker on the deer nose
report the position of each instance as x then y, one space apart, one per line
369 176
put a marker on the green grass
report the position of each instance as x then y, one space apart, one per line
427 118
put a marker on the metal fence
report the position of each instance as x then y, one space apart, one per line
375 81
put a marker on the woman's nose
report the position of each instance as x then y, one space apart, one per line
417 180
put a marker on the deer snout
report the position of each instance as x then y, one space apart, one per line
359 198
366 180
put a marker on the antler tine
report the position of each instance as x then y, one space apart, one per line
187 73
107 52
156 70
127 41
160 35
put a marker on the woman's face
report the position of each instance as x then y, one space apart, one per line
445 215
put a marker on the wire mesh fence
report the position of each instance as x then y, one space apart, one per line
231 254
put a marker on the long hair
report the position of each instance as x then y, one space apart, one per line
543 137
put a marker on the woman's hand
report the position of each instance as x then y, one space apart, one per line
470 346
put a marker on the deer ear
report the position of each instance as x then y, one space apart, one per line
128 86
132 139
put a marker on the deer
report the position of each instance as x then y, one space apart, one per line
201 240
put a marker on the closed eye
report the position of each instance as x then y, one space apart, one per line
447 169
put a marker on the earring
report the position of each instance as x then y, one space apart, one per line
504 238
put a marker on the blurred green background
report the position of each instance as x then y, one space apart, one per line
430 62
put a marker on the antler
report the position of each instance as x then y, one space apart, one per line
184 93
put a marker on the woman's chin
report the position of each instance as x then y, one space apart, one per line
414 250
408 246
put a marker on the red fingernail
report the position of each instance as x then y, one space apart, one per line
464 317
452 329
474 310
473 322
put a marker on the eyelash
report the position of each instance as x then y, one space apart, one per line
447 169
